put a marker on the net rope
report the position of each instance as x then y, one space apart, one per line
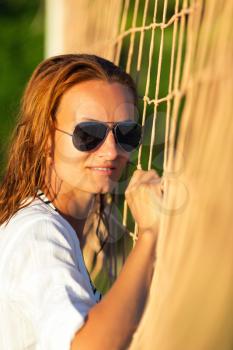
177 20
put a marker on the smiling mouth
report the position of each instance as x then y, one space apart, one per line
103 170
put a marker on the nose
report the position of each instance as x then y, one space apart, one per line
109 149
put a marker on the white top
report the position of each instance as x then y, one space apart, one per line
45 289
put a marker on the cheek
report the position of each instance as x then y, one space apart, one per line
65 152
69 163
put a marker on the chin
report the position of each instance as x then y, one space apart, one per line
107 188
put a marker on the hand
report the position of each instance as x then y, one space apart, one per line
144 198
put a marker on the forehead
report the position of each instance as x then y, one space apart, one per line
97 100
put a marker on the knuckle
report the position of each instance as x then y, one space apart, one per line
139 172
154 172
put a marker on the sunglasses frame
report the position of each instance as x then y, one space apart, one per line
108 129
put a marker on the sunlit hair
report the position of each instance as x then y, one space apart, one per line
26 167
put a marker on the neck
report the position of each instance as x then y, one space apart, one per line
75 206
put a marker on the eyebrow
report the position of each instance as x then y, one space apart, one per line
91 119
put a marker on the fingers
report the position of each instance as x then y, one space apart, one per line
141 176
143 196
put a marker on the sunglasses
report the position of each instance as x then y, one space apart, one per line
87 136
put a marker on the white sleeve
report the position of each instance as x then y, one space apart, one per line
59 295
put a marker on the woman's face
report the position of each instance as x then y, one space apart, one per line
91 100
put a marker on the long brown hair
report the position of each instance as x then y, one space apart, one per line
25 170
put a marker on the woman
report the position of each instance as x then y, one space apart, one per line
74 137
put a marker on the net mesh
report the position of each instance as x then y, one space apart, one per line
152 46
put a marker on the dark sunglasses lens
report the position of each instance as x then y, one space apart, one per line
88 135
128 135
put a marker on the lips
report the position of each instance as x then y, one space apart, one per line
106 170
103 167
100 167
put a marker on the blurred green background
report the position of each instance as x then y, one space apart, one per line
22 48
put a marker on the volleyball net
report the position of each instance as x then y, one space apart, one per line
152 45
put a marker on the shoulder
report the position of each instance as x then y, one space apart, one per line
39 246
36 223
36 239
36 216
